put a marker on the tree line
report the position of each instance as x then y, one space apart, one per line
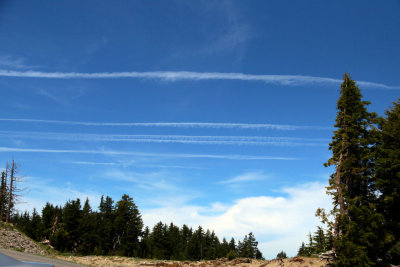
364 223
118 230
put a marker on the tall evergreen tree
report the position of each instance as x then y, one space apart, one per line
72 215
105 226
128 226
356 224
88 239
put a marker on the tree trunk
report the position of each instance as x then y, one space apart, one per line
3 193
10 195
338 182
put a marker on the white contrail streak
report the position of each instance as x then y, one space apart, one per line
216 125
140 154
183 139
292 80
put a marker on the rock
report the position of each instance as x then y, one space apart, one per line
297 259
11 238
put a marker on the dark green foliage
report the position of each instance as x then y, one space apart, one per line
119 231
105 226
281 255
248 248
195 246
72 216
231 255
321 241
365 184
128 227
88 240
388 182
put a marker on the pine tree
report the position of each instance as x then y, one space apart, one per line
128 226
195 247
88 239
36 232
72 215
356 224
388 183
105 226
158 241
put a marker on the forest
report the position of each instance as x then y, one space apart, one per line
118 230
362 228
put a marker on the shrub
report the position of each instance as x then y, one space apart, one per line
281 255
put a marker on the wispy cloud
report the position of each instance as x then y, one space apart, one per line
152 181
42 190
216 125
63 96
133 163
183 139
173 76
130 153
246 177
14 62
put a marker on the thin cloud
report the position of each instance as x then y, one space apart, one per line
163 155
215 125
183 139
8 61
246 177
173 76
133 163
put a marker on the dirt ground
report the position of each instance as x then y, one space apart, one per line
114 261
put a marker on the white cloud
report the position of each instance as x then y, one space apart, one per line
254 126
279 223
172 76
142 154
183 139
14 62
246 177
150 181
42 190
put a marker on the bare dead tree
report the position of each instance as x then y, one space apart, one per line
13 190
3 193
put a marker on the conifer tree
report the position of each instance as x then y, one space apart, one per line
388 183
128 226
356 224
106 227
88 239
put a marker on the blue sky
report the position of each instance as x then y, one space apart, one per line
216 113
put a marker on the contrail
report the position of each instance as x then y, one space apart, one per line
292 80
130 153
183 139
261 126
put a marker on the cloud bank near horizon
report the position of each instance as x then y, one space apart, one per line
278 222
174 76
